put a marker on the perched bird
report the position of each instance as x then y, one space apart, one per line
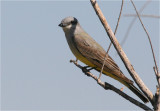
88 51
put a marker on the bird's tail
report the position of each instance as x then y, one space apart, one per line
137 92
130 86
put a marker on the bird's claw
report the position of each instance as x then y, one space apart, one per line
76 62
92 68
85 70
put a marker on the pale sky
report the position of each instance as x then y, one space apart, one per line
36 73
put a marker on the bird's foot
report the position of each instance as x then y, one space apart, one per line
76 61
88 68
91 68
85 70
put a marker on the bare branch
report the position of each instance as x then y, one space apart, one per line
157 108
157 75
106 55
148 39
157 94
121 53
108 86
157 100
132 22
142 15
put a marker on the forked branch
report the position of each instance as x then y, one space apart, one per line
108 86
106 55
121 53
156 67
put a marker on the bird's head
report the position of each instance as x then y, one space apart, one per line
68 23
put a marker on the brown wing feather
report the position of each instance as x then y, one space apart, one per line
90 49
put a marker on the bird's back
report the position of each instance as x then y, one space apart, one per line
95 54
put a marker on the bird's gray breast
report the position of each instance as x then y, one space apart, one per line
70 39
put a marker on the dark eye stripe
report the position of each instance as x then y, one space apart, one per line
74 22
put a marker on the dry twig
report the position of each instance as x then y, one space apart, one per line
121 53
132 22
106 55
108 86
156 74
142 15
148 39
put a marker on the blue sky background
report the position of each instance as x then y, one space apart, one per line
36 73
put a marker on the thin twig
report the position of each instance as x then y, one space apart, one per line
148 38
142 15
121 53
157 100
106 55
108 86
156 74
157 94
132 22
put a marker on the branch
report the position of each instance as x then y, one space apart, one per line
142 15
157 75
132 22
156 67
108 86
106 55
157 95
157 100
121 53
158 104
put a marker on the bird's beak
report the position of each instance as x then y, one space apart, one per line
61 25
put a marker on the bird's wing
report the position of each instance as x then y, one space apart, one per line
90 49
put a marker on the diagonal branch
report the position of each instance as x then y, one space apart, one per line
148 39
157 75
106 55
108 86
142 15
132 22
157 95
121 53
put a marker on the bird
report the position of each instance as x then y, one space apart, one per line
88 51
